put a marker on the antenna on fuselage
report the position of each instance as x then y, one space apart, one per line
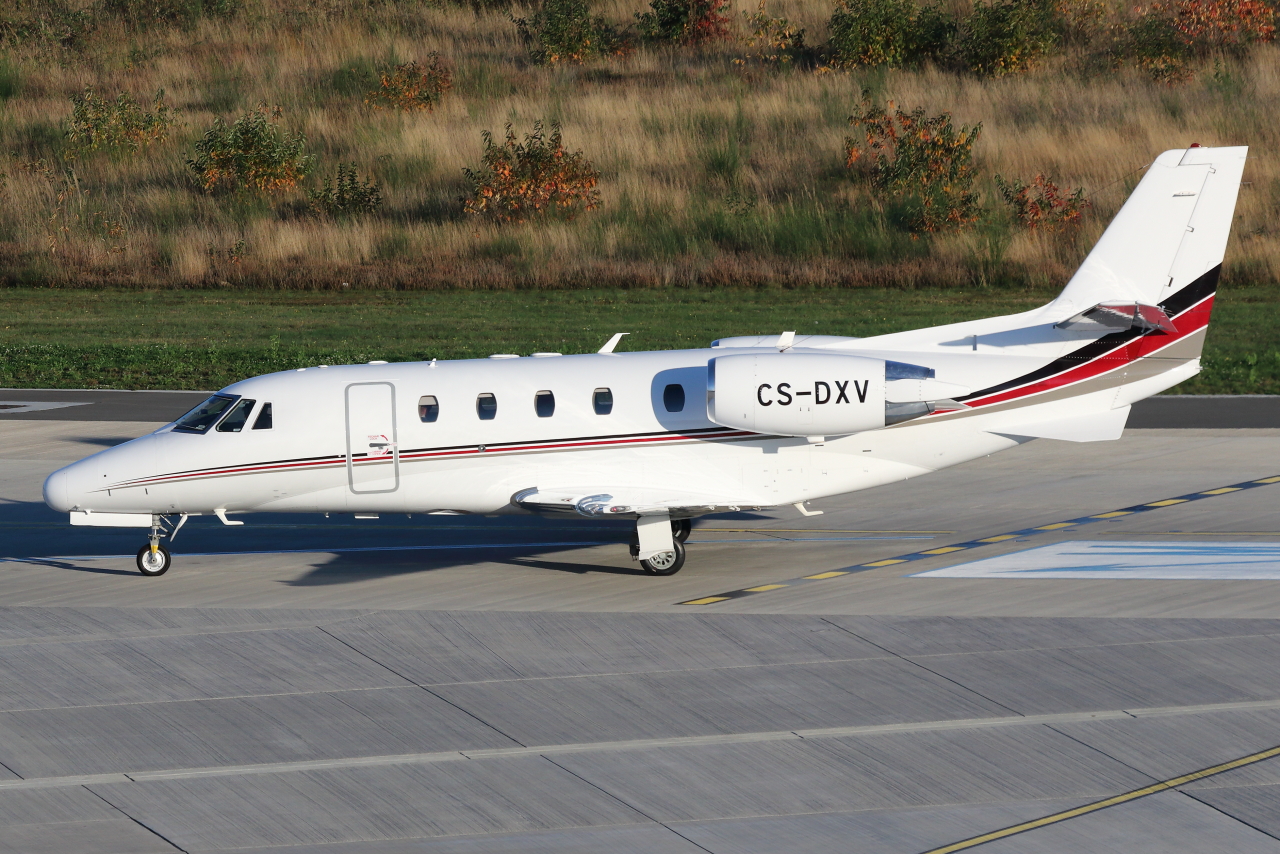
612 342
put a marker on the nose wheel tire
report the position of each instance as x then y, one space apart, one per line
153 563
665 563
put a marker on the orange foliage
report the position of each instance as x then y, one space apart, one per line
531 179
1221 23
1042 205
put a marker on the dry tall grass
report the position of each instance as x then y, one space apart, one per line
712 171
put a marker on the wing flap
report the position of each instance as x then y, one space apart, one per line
624 502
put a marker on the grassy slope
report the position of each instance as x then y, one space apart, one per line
713 172
208 338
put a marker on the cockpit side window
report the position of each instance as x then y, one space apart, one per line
204 416
237 417
263 421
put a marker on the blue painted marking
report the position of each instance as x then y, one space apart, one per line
1128 560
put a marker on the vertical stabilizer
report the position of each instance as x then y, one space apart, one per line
1171 232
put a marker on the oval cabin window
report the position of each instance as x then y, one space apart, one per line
544 403
487 407
602 401
428 408
673 397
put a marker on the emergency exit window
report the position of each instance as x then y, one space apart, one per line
487 407
544 403
428 408
602 400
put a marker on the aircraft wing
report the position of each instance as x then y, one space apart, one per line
627 501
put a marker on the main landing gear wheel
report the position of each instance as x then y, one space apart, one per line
680 529
153 563
665 563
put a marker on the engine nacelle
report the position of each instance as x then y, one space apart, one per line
797 394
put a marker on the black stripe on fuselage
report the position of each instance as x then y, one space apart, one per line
335 459
1174 305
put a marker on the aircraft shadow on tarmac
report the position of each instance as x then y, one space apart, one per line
346 568
349 550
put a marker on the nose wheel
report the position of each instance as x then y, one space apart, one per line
154 560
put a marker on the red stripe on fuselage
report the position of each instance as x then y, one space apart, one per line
1192 320
549 445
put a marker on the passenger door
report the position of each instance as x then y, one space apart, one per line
373 458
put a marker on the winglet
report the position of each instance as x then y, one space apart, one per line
612 342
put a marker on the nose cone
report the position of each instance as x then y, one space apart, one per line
56 493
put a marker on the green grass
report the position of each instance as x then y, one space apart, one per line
209 338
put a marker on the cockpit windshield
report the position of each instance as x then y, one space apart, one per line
204 416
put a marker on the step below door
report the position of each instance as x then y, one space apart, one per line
373 459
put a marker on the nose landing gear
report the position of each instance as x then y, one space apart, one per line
153 558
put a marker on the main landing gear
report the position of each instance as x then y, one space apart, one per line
664 558
665 563
153 558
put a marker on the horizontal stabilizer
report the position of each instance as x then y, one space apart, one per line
1121 315
1104 426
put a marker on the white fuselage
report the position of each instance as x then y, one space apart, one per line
317 455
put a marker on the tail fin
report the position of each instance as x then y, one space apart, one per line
1171 233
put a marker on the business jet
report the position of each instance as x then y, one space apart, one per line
662 437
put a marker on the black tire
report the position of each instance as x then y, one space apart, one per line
680 529
151 568
667 563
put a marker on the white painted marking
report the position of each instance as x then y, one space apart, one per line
17 407
1128 560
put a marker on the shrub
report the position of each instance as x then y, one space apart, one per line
1006 37
922 161
412 86
519 181
565 31
250 154
1152 43
45 21
1042 205
773 41
684 22
871 32
887 32
345 195
97 123
144 14
1220 24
